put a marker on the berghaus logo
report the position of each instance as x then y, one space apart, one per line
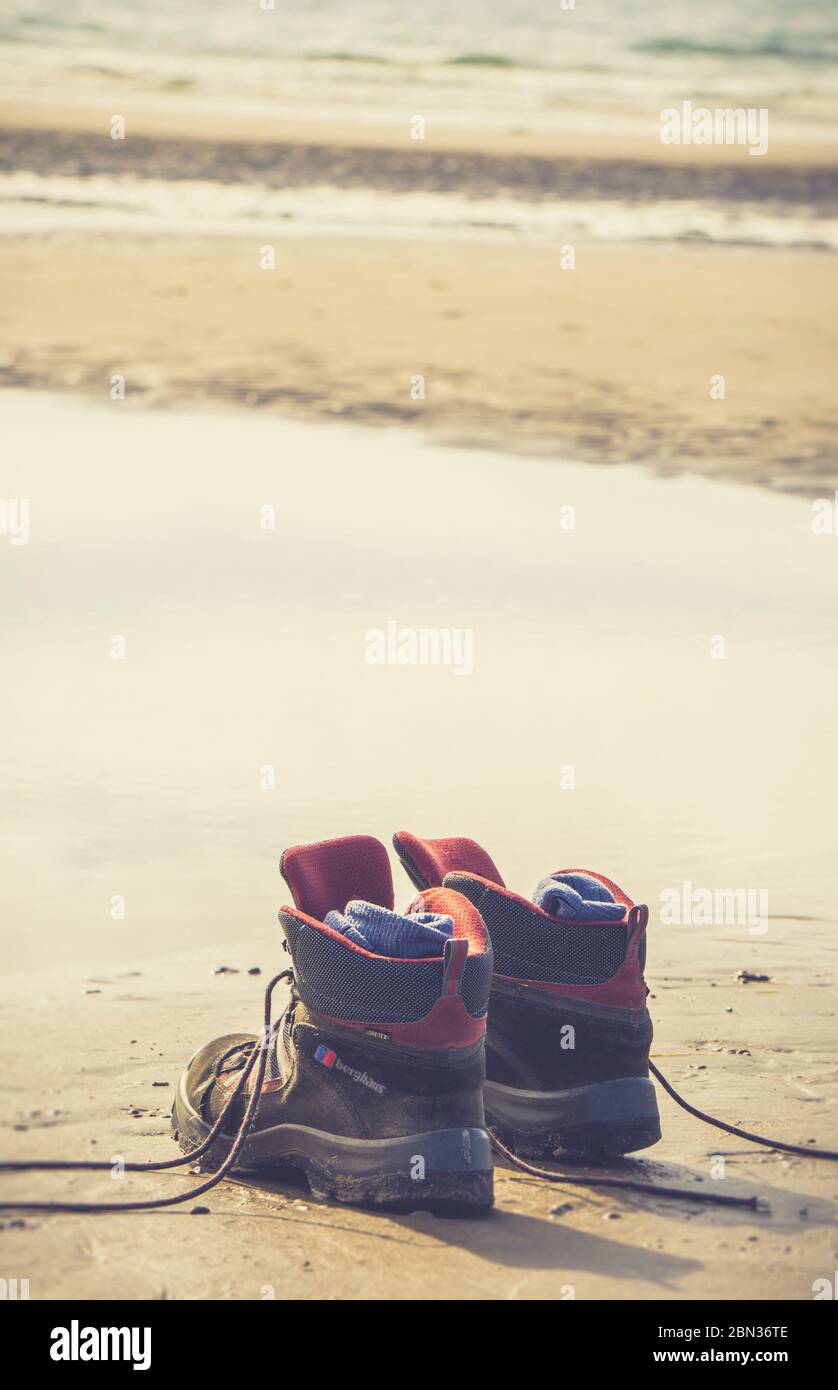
328 1058
81 1343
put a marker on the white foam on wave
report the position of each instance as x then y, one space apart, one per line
34 205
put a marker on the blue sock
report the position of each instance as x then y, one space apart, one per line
391 934
577 898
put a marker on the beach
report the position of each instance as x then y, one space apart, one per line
130 1030
546 303
362 326
244 558
611 362
138 778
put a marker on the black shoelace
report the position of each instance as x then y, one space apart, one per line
253 1057
257 1060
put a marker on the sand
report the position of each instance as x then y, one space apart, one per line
108 1037
155 781
187 119
611 361
141 778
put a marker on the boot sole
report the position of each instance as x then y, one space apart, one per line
604 1120
444 1169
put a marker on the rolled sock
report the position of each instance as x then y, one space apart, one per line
588 888
385 933
577 898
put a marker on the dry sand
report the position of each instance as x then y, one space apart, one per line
759 1055
611 361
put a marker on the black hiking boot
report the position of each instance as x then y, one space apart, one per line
375 1072
567 1044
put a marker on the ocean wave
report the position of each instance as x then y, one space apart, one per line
484 60
61 204
456 60
347 58
784 46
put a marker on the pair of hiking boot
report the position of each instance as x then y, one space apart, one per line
407 1035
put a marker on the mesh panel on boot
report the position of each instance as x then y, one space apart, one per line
528 945
335 980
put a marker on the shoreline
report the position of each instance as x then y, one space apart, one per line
158 121
412 169
609 363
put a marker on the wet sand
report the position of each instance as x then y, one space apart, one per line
611 361
245 648
594 648
406 166
193 121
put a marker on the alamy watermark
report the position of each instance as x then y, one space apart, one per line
715 907
420 646
825 516
825 1288
79 1342
699 125
14 519
13 1289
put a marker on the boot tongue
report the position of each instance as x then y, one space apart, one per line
386 933
428 861
577 898
327 875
